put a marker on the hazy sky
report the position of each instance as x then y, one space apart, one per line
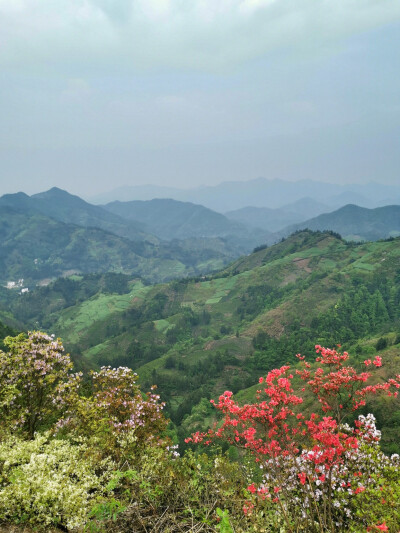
99 93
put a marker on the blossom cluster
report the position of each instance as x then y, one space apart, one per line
340 387
48 479
312 465
30 373
116 413
95 426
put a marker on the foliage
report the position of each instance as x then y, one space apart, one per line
312 464
31 373
107 465
49 481
116 417
5 331
164 492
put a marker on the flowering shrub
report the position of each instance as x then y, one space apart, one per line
30 373
46 480
49 481
116 414
309 463
340 388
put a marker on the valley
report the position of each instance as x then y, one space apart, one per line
199 266
195 337
163 305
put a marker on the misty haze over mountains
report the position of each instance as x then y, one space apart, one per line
54 233
261 192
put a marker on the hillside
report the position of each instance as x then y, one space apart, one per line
171 219
38 248
277 219
54 233
64 207
195 338
355 223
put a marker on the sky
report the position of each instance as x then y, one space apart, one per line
96 94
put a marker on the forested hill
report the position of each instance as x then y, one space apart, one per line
38 248
355 223
195 338
171 219
54 234
68 208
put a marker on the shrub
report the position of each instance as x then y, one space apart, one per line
314 468
49 481
117 418
381 344
174 494
30 374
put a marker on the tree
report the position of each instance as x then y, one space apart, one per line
30 374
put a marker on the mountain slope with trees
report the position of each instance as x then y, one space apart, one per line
196 337
355 223
37 248
171 219
70 209
53 233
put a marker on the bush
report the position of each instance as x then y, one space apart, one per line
381 344
116 418
49 481
30 374
315 469
180 494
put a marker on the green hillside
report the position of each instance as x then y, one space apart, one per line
37 248
171 219
65 207
356 223
195 338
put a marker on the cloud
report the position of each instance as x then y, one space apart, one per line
196 34
76 91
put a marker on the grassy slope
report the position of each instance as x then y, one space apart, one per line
75 321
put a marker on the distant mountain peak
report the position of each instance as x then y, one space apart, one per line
18 200
16 195
55 192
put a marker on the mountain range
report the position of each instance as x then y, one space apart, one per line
261 192
171 219
65 207
54 234
277 219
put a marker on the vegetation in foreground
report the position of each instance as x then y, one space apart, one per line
92 452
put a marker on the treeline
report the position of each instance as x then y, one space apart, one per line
365 309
